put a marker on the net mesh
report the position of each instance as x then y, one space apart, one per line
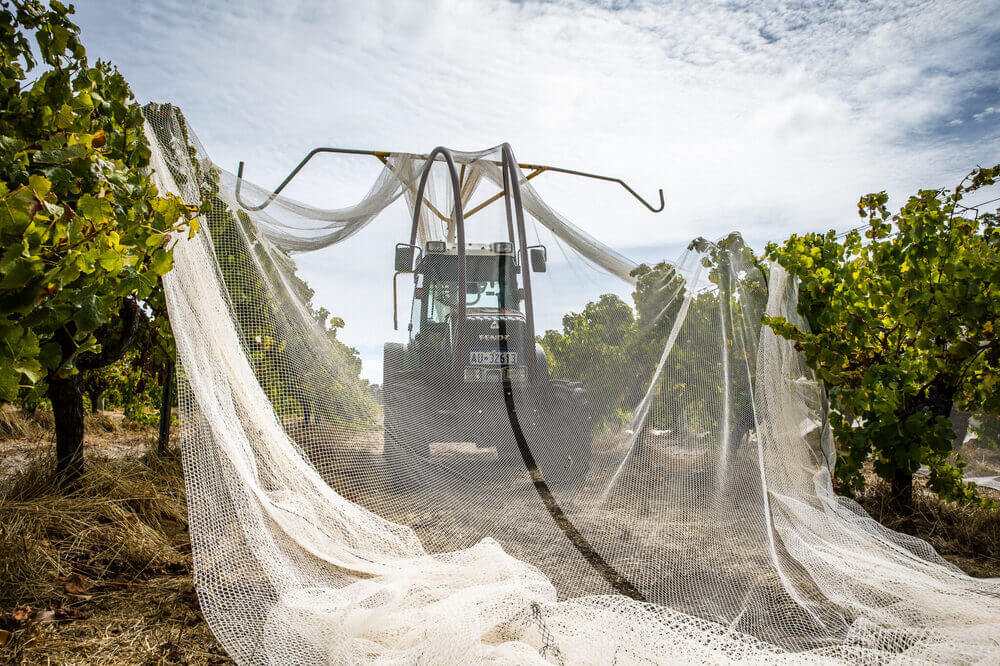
598 463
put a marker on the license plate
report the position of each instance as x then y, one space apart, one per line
492 357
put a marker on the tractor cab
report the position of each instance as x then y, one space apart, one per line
490 284
486 337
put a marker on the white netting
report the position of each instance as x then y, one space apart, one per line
650 484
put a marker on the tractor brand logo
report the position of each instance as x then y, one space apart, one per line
492 338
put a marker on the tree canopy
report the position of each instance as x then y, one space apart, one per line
85 234
903 326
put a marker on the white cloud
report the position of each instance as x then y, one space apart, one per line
988 111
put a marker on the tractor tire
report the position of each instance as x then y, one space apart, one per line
565 453
404 452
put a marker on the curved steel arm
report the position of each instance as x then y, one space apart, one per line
456 192
610 179
294 172
382 155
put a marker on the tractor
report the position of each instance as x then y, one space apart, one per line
472 366
471 370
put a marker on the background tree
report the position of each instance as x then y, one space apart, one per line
713 357
593 348
903 329
713 362
131 384
98 381
987 431
85 235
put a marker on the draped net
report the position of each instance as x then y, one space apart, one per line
655 489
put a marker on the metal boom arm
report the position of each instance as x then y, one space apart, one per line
383 156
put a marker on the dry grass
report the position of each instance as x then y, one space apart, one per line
24 436
127 518
15 424
35 426
967 536
146 621
99 423
101 575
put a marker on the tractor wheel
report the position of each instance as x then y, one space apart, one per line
404 452
564 455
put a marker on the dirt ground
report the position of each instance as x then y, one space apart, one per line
671 532
109 434
981 461
104 576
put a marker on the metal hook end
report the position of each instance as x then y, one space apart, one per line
239 186
663 203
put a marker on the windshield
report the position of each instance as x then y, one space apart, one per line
491 282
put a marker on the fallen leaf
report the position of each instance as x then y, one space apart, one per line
63 613
119 581
77 614
173 652
4 637
44 617
74 584
23 614
27 614
190 595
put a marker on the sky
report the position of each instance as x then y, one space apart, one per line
768 118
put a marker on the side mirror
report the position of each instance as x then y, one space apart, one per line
537 256
404 257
